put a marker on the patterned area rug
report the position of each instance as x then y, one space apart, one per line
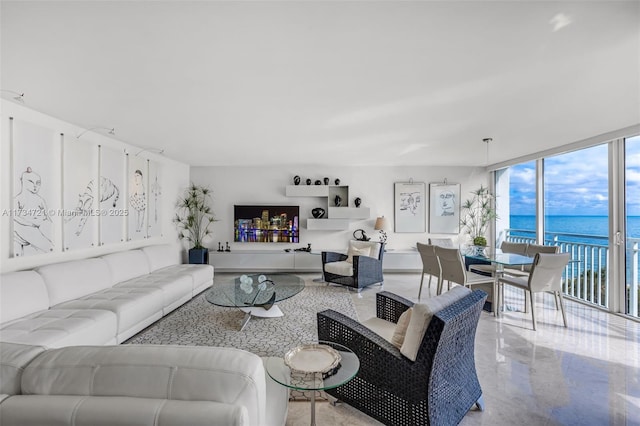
202 324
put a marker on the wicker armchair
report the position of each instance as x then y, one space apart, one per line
437 389
354 270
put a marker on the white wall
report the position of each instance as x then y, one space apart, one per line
374 185
175 176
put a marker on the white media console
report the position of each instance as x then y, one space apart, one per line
301 261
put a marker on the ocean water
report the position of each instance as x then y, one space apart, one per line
577 225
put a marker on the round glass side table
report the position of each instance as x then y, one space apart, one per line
312 381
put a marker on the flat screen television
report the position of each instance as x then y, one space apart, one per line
266 224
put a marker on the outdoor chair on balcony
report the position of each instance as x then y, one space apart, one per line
430 265
359 268
427 376
545 276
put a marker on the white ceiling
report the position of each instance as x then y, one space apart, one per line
329 82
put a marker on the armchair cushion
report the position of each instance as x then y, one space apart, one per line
356 251
342 267
381 327
400 331
421 317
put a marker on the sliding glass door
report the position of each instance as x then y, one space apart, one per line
632 209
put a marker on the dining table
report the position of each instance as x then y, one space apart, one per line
501 261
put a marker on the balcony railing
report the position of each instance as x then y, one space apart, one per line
586 278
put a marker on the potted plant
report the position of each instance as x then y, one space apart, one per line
193 219
477 213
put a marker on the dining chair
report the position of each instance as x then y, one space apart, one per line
453 270
531 251
545 276
430 264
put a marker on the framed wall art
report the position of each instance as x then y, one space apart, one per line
444 210
410 207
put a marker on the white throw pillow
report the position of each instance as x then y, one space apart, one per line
421 317
355 251
401 328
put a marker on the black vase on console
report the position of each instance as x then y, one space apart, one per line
318 212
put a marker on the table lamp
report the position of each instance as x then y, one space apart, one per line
382 225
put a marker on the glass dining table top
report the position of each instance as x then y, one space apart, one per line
505 259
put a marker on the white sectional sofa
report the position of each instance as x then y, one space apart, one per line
138 385
97 301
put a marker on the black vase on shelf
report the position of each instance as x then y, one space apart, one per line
357 201
326 181
318 182
308 181
296 180
337 201
318 212
337 181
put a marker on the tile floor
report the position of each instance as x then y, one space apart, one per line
586 374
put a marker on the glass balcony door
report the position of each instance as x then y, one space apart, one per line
632 213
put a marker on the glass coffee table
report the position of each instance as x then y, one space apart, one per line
255 294
343 368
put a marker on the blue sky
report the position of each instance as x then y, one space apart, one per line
576 183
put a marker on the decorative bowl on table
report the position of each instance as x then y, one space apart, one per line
312 358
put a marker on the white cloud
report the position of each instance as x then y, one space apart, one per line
559 21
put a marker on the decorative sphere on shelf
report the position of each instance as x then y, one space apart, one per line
318 182
296 180
357 201
318 212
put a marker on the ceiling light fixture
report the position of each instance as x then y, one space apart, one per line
154 150
486 141
111 131
18 96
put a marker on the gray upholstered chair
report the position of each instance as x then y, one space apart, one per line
359 268
531 251
453 269
545 276
430 264
435 384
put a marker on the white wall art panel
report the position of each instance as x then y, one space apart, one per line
138 201
112 195
80 195
35 199
154 228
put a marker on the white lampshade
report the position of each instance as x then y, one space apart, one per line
382 224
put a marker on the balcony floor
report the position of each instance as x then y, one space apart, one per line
586 374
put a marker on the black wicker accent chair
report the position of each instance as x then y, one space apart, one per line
361 272
439 388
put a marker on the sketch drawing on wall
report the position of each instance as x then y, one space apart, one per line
410 202
444 211
108 192
31 217
156 190
446 203
138 199
410 208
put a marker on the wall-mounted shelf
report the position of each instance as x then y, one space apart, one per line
328 224
349 212
337 216
307 191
